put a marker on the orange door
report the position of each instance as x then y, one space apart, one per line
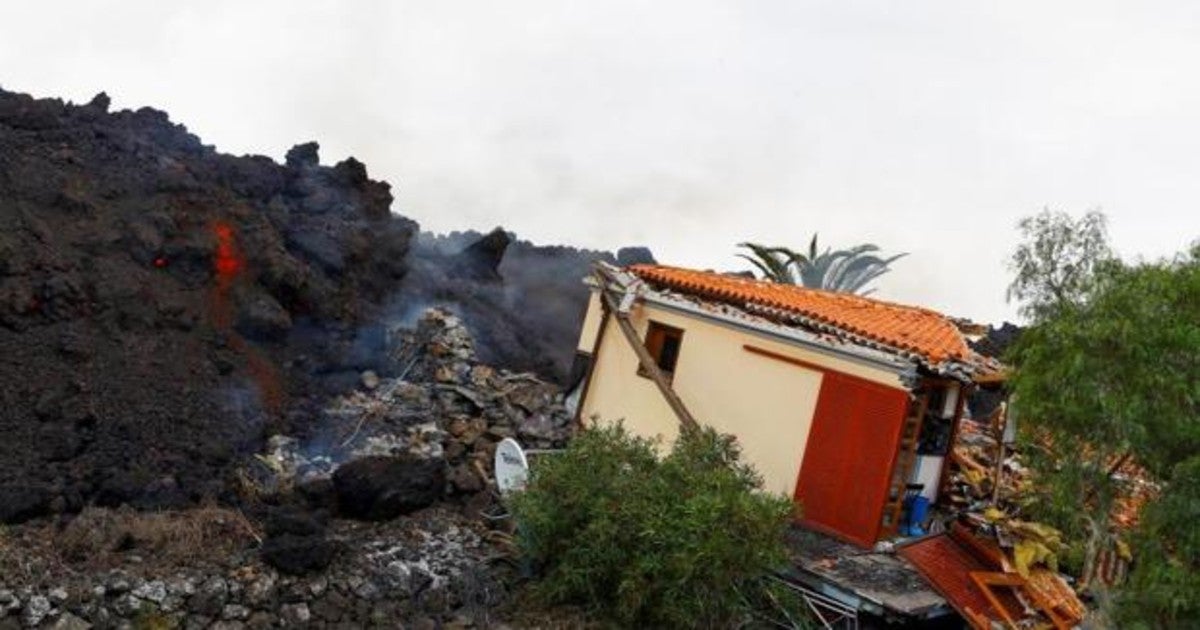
848 460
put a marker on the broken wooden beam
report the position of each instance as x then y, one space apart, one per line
647 362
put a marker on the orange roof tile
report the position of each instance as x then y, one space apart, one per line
927 333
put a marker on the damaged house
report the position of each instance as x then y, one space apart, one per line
848 404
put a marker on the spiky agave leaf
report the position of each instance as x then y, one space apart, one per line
843 270
771 261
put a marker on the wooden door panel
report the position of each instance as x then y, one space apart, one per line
848 460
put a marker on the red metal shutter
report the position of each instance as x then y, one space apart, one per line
848 460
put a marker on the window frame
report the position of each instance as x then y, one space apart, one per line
656 335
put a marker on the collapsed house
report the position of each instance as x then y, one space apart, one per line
844 402
848 404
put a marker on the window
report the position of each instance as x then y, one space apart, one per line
663 342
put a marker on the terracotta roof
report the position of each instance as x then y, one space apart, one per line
926 333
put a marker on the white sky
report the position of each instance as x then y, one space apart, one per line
687 126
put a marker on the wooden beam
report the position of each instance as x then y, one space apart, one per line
647 362
786 359
808 365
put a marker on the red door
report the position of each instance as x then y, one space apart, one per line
848 460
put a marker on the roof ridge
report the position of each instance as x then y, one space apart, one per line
794 287
903 328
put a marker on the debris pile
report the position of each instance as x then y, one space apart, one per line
444 407
1012 554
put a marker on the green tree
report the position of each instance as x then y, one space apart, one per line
1111 369
681 541
1058 260
841 270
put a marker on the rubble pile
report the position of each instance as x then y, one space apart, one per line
429 571
992 513
444 406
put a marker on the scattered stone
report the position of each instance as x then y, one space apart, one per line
211 597
234 611
294 614
58 595
37 609
153 591
69 621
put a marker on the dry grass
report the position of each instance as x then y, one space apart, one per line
101 536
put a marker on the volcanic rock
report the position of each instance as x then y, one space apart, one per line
481 260
161 304
378 488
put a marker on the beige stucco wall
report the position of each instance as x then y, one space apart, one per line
591 324
767 403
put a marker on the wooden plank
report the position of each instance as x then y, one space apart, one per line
904 462
801 362
647 362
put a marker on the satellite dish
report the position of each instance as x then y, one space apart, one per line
512 467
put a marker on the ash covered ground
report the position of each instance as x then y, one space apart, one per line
165 308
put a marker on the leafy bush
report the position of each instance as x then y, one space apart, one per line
679 541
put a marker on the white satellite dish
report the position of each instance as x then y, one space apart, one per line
512 467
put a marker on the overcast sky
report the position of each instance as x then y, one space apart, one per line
686 125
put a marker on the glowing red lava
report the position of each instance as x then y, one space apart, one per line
228 262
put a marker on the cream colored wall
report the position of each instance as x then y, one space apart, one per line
767 403
591 324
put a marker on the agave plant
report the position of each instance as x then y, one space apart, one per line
842 270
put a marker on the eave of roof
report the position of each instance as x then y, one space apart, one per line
912 333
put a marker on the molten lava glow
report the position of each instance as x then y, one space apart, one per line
228 262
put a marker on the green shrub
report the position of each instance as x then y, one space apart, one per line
673 542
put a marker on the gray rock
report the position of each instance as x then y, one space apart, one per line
261 590
69 621
118 584
260 621
368 589
8 602
182 586
211 597
234 611
295 614
127 605
424 623
58 595
154 591
399 576
36 609
197 622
